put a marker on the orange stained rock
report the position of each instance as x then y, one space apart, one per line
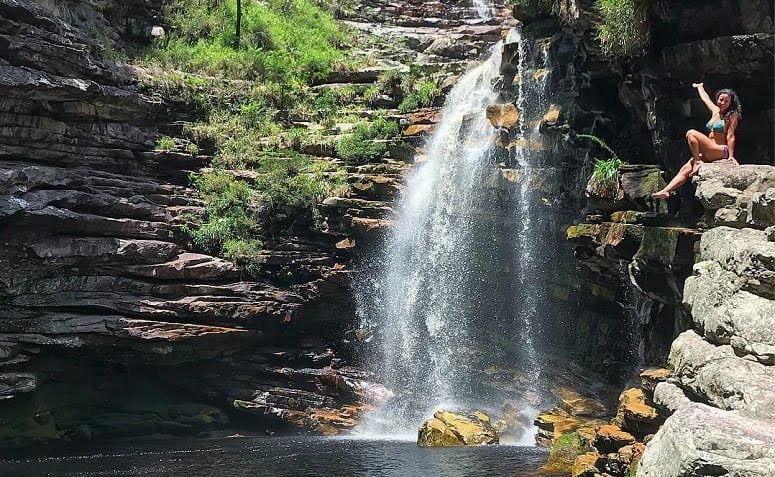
633 406
585 465
417 129
611 438
503 115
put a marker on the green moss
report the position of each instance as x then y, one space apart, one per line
564 451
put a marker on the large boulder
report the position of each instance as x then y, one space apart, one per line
702 440
727 314
450 429
718 376
738 196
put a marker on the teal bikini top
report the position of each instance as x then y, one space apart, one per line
717 127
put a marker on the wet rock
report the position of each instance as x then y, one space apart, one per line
448 429
502 115
564 452
702 440
15 383
633 190
557 422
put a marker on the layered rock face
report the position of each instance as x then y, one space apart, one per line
109 324
722 391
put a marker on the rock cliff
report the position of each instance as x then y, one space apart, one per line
110 324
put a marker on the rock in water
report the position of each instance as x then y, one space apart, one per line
449 429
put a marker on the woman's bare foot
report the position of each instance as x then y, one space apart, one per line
660 195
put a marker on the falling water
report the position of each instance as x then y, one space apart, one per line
483 9
453 294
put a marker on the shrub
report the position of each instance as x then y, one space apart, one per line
231 215
367 141
165 144
422 95
624 27
605 176
192 148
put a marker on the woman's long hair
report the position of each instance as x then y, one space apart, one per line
735 108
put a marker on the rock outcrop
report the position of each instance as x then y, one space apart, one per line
96 269
724 372
450 429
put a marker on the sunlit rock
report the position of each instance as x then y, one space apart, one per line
585 465
449 429
703 440
610 438
503 115
634 414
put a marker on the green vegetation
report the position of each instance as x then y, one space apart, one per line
605 176
367 141
284 40
625 27
240 210
165 144
564 451
252 106
422 95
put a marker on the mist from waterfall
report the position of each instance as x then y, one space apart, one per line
451 299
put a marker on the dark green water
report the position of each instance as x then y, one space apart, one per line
276 457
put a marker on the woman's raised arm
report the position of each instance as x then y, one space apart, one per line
705 97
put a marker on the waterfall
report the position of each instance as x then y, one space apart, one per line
483 9
454 293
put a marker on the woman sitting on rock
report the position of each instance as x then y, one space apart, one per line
718 144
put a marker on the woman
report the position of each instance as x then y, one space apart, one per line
718 144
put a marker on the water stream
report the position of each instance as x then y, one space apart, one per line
457 292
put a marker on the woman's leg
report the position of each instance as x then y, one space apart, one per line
683 174
701 144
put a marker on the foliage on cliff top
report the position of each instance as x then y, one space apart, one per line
625 27
283 40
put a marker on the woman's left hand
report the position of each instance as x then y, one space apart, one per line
734 161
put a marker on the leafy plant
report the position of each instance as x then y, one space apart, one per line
165 144
231 225
192 148
605 176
